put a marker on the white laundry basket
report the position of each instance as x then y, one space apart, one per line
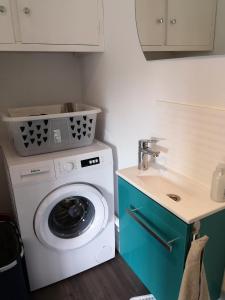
42 129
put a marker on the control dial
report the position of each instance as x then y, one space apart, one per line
68 166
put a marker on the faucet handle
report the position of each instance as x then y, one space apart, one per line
147 143
155 140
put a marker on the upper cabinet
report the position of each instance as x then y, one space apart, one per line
191 22
52 25
58 22
175 25
150 15
6 27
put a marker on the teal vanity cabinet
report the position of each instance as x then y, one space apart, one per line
154 243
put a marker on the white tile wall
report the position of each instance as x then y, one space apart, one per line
195 138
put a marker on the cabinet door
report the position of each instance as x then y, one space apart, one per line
159 269
6 29
150 18
59 22
191 22
214 258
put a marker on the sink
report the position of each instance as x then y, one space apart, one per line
160 180
164 185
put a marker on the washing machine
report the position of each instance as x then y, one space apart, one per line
64 203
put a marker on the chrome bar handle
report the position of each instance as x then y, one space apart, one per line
196 230
144 224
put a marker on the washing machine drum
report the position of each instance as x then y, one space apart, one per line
71 216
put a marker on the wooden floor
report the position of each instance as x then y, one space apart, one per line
112 280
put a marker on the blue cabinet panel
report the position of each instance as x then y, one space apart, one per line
145 230
158 268
214 257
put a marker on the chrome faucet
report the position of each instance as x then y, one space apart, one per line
146 149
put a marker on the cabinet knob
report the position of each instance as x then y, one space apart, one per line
160 20
3 10
27 11
173 21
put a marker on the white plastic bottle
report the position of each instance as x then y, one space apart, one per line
218 184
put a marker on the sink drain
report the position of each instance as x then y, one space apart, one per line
174 197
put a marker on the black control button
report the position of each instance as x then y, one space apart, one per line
90 162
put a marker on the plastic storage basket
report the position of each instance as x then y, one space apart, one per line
42 129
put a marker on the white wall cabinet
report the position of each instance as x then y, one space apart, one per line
6 26
174 25
150 15
52 25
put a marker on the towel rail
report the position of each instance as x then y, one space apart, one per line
196 230
167 244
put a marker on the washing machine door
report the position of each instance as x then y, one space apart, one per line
71 216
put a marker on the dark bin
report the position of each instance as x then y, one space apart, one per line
13 278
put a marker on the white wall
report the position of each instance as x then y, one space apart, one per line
33 79
127 87
38 78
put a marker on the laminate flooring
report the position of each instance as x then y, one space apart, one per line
112 280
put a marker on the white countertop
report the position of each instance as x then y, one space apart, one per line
195 203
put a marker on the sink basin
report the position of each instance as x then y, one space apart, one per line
161 182
161 185
157 183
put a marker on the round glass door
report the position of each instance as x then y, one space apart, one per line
70 216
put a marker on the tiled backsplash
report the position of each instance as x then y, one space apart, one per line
195 138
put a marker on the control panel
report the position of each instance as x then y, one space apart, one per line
90 162
70 165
